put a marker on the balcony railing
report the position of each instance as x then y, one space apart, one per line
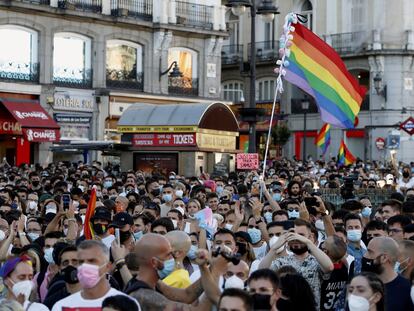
192 14
44 2
266 51
231 54
81 5
19 72
183 86
349 42
73 77
124 79
141 9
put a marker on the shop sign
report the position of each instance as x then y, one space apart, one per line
41 134
212 141
73 102
408 126
247 161
63 118
10 127
166 139
35 115
156 129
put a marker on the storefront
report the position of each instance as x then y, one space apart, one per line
23 125
184 138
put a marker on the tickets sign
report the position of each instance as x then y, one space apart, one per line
247 161
167 140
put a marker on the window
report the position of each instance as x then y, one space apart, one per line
123 64
233 27
307 11
187 63
265 89
19 61
233 91
72 60
358 15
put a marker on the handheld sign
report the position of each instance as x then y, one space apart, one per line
247 161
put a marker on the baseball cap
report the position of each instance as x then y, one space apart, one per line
244 235
102 213
122 219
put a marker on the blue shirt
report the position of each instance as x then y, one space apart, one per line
357 253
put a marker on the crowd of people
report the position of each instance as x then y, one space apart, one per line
77 236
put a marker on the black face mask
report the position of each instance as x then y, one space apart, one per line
141 192
70 275
242 248
261 302
99 228
123 236
406 174
284 305
16 250
299 251
156 192
369 265
35 183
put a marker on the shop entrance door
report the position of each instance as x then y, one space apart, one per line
11 156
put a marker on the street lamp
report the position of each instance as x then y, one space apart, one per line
268 11
305 107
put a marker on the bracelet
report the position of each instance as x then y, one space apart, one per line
120 265
21 233
119 261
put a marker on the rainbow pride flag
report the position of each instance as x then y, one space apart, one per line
345 157
323 139
318 70
90 211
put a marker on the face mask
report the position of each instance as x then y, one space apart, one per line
357 303
293 214
51 208
156 192
83 218
192 252
354 235
412 293
366 211
141 192
406 174
234 282
138 235
369 265
242 249
273 241
168 268
15 206
268 217
167 197
99 229
179 193
88 275
397 267
323 182
32 206
65 232
33 236
175 223
219 189
70 275
107 184
2 235
35 183
48 255
277 197
320 225
22 288
255 235
75 204
228 226
261 302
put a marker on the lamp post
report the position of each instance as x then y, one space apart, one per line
305 107
268 10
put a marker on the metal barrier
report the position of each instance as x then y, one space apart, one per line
376 196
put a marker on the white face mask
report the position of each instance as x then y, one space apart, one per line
51 208
234 282
179 193
23 287
32 206
320 225
175 223
228 226
412 294
358 303
2 235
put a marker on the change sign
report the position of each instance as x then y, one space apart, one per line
247 161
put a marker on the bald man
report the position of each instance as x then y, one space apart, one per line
406 258
180 244
153 251
380 258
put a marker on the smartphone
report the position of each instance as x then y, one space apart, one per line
311 201
117 237
66 201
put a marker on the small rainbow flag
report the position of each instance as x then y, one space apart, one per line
318 70
90 211
345 157
323 139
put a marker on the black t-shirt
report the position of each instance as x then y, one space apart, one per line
332 288
56 295
397 295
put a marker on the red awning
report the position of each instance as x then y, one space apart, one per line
35 122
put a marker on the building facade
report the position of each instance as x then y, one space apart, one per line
87 61
374 38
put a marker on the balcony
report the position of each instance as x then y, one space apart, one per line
19 72
43 2
124 79
94 6
140 9
183 86
349 42
73 77
196 15
231 54
266 51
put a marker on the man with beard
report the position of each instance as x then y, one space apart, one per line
313 267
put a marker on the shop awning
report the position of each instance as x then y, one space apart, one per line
35 122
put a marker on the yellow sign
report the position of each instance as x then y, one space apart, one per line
157 129
211 141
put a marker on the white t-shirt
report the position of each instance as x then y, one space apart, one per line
34 306
78 303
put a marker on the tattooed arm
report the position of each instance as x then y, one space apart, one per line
184 295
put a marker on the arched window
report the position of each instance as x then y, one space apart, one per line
72 60
363 78
187 63
265 89
233 91
307 11
19 58
124 64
